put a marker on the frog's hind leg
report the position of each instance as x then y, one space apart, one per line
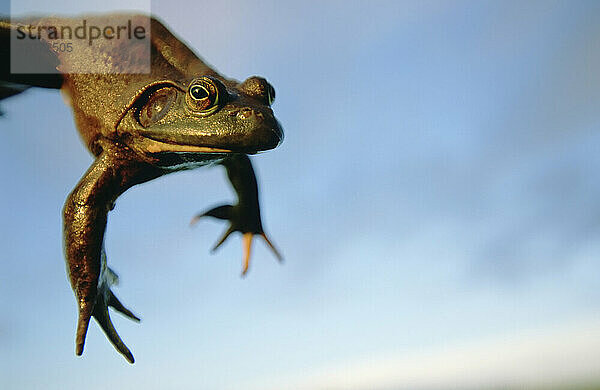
85 217
94 302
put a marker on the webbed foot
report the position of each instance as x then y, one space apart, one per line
105 298
244 220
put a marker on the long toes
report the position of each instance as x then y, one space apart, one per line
241 220
270 244
103 318
83 323
114 302
223 238
247 243
247 239
219 212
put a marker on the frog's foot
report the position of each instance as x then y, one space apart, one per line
248 224
104 300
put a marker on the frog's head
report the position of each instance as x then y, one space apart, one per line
205 116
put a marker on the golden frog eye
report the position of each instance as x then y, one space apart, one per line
203 96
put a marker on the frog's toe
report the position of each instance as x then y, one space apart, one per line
103 318
247 239
248 224
114 302
100 313
82 326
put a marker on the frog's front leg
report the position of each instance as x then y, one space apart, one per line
243 217
85 217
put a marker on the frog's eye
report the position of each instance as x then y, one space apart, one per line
203 95
156 106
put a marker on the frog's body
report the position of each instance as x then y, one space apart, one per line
180 115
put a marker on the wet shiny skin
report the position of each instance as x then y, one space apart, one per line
181 115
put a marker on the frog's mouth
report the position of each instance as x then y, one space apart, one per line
157 141
160 146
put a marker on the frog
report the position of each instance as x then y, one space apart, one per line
142 118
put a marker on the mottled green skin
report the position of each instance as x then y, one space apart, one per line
107 106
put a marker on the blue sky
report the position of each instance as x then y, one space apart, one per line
437 185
